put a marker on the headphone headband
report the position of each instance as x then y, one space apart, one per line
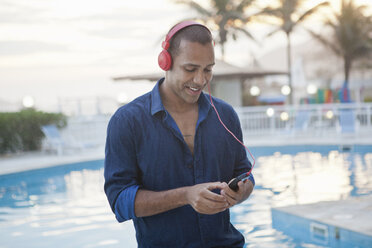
180 26
164 58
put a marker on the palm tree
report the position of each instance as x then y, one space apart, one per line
228 15
290 13
351 35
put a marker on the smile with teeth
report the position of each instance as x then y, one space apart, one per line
194 90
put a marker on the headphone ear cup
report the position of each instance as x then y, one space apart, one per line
165 60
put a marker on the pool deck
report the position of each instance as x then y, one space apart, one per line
354 214
349 219
37 160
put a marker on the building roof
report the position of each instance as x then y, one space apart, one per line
221 70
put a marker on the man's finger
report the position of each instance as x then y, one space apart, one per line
214 207
213 196
231 193
215 185
232 200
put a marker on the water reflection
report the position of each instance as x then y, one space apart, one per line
360 169
61 206
309 177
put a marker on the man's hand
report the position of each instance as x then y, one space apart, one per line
204 201
233 198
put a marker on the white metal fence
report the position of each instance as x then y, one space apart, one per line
324 121
267 123
89 130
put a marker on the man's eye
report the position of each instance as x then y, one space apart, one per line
208 70
189 70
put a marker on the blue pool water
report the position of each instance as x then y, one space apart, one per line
65 206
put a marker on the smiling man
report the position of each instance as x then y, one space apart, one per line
169 159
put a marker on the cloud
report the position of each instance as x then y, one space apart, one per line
10 48
19 12
128 25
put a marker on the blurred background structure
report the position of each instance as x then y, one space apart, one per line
63 55
84 60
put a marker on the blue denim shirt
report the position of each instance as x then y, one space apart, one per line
145 149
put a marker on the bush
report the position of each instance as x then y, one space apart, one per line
21 131
368 99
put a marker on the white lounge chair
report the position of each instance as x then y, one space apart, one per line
347 123
55 142
301 121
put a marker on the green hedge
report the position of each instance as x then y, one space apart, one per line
21 131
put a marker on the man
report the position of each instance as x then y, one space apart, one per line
169 159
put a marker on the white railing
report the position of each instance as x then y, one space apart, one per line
87 129
87 106
325 120
320 122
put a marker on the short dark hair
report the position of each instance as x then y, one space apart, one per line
194 33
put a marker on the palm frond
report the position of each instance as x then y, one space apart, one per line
277 29
244 4
236 15
247 33
221 5
271 12
162 37
326 42
311 11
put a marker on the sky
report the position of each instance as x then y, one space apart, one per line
71 49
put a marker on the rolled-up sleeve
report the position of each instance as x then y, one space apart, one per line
121 170
124 205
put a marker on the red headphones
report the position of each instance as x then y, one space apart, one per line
164 58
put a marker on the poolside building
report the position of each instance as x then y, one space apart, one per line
227 83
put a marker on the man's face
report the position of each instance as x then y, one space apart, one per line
191 71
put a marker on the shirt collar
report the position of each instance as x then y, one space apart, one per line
204 106
157 104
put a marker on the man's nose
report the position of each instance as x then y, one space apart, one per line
199 78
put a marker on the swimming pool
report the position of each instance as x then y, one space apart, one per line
64 206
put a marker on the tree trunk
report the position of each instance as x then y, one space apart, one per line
347 68
289 65
222 51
